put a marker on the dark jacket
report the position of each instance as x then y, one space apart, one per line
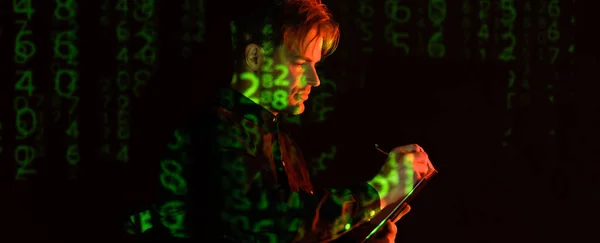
230 172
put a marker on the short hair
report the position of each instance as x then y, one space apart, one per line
283 21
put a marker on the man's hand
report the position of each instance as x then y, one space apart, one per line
389 231
405 165
413 155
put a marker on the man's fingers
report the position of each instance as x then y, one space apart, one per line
404 211
411 148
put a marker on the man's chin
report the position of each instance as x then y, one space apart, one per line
298 109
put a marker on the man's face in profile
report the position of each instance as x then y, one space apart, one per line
280 79
297 65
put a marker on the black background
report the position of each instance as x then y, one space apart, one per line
535 188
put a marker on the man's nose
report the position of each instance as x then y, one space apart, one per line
312 78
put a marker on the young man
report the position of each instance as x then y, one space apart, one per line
231 174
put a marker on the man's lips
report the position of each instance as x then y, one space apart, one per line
303 96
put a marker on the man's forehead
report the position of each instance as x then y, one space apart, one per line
310 47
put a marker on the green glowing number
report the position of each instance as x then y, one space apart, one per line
510 14
123 81
66 39
147 55
263 226
24 129
283 75
123 154
485 6
122 31
268 65
172 216
122 6
393 37
148 33
123 55
73 130
254 85
141 78
171 177
484 32
68 6
436 11
24 49
555 51
393 11
25 82
435 47
507 53
266 97
73 156
24 155
66 75
23 7
280 99
178 141
267 80
553 33
511 78
144 12
554 9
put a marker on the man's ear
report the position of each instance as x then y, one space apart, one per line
253 57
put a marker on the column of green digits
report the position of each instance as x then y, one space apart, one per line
66 77
398 15
467 28
144 13
26 121
123 80
105 83
235 174
173 212
436 12
186 22
554 38
364 22
483 34
508 16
